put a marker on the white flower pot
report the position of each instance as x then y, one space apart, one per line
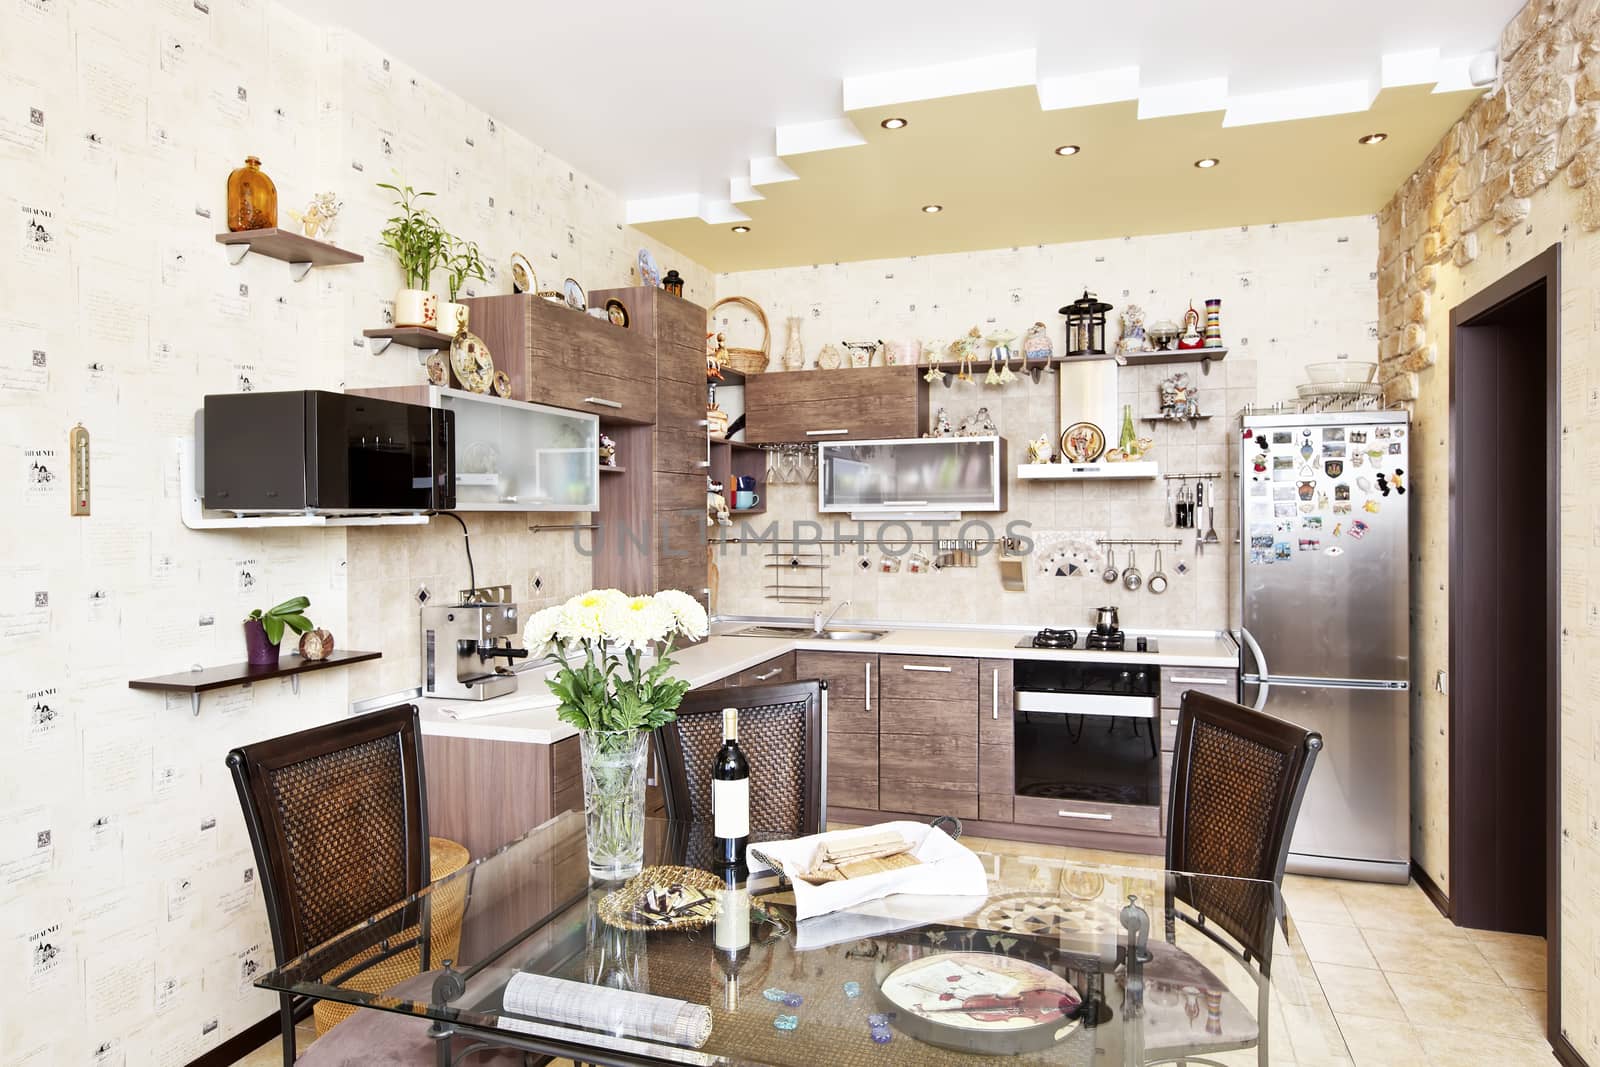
416 307
452 318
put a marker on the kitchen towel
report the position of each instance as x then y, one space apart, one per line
947 869
612 1011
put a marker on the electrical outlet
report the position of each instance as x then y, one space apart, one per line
422 594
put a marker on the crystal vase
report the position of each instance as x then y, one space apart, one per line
613 800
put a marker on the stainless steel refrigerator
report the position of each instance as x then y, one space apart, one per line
1326 638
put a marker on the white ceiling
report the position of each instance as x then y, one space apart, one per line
678 106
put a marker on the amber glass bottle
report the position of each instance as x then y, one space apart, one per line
252 198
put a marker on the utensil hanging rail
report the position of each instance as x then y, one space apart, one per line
1159 541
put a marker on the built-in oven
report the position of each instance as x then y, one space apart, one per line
1088 731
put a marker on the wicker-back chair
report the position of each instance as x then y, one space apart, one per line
781 733
1238 778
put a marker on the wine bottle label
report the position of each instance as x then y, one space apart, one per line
730 808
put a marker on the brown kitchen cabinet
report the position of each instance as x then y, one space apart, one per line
928 735
852 737
872 403
531 783
996 753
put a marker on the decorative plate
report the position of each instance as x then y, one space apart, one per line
438 368
616 312
574 294
523 279
1083 442
649 273
474 366
981 1002
683 897
502 384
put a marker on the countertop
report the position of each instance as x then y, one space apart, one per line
529 715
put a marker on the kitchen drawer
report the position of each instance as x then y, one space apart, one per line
936 760
1218 682
994 702
775 671
1083 815
929 678
943 717
850 676
994 808
927 799
997 772
852 770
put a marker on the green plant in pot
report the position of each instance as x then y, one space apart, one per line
615 688
263 630
419 243
461 261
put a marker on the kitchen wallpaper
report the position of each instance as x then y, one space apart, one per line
1291 295
1517 174
132 917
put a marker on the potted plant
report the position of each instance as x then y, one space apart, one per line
615 698
264 629
418 242
461 261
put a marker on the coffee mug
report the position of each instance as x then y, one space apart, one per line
744 499
745 482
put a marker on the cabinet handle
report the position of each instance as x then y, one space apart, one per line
825 433
868 666
600 401
1181 680
994 696
1099 816
773 673
914 667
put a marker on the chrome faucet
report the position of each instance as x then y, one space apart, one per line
819 624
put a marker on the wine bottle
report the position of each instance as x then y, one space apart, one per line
731 932
730 794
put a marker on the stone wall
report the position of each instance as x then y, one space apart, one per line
1518 173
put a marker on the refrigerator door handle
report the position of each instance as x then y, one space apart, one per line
1263 687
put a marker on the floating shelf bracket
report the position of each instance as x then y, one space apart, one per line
300 252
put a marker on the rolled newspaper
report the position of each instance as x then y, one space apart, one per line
612 1011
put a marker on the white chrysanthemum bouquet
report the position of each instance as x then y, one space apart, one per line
611 690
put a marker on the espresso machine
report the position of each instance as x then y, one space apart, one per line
468 648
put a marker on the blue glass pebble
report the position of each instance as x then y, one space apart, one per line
774 994
878 1018
852 990
882 1035
786 1022
793 1000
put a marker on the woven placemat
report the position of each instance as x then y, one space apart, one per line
618 908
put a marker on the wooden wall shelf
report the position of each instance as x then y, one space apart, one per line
1203 356
300 252
204 681
423 340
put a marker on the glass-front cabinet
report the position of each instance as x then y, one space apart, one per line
929 475
515 456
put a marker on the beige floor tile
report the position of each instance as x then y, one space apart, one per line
1380 1042
1519 961
1456 1004
1330 943
1533 1000
1391 907
1315 900
1457 1047
1358 991
1436 952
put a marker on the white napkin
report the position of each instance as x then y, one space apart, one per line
947 869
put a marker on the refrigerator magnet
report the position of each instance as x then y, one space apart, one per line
1394 448
1310 544
1370 507
1333 433
1358 437
1282 437
1282 550
1341 491
1333 550
1338 529
1381 432
1383 483
1395 480
1260 464
1333 467
1358 529
1357 460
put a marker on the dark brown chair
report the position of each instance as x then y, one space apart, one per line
1238 778
780 731
338 819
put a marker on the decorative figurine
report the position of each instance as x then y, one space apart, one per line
716 355
1000 353
965 349
1036 347
1190 338
931 350
317 219
1039 449
979 424
716 505
941 425
1178 399
608 451
1133 337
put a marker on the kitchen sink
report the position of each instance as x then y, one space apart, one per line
800 630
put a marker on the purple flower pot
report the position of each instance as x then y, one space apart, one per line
258 650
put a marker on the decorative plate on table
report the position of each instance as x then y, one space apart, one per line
616 312
663 898
649 273
1083 442
474 366
523 279
438 368
574 294
981 1002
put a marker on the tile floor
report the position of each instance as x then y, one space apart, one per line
1407 988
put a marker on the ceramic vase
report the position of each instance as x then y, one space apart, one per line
453 318
613 800
794 352
416 307
259 652
1214 323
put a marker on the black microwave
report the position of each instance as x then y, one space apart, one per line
325 453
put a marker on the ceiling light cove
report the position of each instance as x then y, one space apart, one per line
932 209
894 124
1207 163
1068 150
1373 138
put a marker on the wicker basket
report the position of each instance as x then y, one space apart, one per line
748 360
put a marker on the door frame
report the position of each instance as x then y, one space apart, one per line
1545 268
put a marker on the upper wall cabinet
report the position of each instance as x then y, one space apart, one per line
830 405
566 359
948 475
512 456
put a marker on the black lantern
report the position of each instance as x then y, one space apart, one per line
1086 325
673 283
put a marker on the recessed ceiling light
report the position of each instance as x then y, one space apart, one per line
1373 138
932 209
741 229
1207 163
1068 150
894 124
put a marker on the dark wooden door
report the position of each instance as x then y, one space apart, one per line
1502 608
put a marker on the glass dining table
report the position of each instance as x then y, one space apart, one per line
1064 962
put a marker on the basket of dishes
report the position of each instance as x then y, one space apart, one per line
746 360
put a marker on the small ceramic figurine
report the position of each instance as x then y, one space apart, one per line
931 351
1190 338
317 219
608 451
716 354
1178 400
941 425
716 505
978 424
1039 449
1133 337
1036 346
1000 358
965 349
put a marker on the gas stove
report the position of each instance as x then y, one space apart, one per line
1094 640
